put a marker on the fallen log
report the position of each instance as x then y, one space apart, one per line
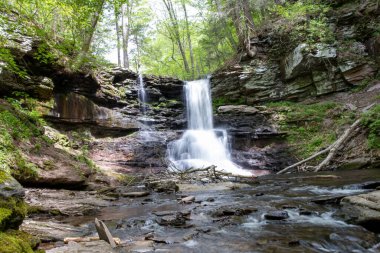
331 150
88 239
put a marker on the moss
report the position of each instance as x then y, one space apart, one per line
227 101
18 210
5 213
17 242
3 176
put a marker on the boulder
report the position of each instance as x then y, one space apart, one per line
363 209
163 186
303 59
104 233
12 206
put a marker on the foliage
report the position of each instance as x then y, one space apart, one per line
371 119
303 21
7 61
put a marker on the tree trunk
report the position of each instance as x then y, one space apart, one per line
125 32
189 39
89 35
117 15
175 32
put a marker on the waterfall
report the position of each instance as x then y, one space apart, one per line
142 95
202 145
143 99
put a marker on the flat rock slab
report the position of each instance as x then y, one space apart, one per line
363 209
85 247
53 231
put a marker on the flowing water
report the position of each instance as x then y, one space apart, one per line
145 131
202 145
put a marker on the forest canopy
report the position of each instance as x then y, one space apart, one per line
181 38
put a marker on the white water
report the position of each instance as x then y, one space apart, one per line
145 129
142 95
201 145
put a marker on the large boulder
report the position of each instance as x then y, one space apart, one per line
363 209
303 59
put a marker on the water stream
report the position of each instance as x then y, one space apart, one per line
202 145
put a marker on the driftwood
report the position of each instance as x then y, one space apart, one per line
88 239
331 150
211 171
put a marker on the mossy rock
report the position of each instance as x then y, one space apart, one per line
17 242
12 213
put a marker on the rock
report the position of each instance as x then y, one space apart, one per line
104 233
302 59
140 247
232 211
188 200
163 186
355 164
12 206
277 215
135 194
328 200
356 75
84 247
236 109
363 209
51 231
176 220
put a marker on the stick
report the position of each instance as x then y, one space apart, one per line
337 144
305 160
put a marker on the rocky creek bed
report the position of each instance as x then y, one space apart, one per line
287 213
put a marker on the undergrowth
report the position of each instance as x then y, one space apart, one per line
306 124
371 120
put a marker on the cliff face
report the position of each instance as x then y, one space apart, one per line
336 80
308 70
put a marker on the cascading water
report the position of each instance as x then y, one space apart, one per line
201 145
142 95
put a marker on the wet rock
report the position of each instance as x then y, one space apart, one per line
104 233
9 187
163 186
328 200
232 211
277 215
135 194
187 200
363 209
176 220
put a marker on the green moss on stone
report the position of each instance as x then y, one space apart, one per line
18 210
17 242
4 214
